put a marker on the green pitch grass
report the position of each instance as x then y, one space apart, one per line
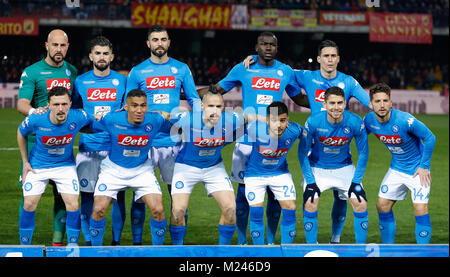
204 213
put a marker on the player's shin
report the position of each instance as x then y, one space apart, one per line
310 226
73 226
97 231
338 216
242 212
158 230
26 227
257 228
288 224
226 233
137 221
360 226
177 233
423 229
387 226
87 202
273 213
118 215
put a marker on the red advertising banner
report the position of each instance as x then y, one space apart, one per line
400 28
184 16
343 18
19 26
283 18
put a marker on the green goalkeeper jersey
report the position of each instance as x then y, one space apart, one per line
39 78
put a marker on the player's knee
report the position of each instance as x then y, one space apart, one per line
311 206
383 206
360 207
29 205
178 215
98 212
229 214
420 209
158 212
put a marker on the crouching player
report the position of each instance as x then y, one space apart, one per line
127 164
331 132
200 160
402 134
267 168
51 158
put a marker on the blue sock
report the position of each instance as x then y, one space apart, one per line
242 212
26 227
273 214
257 228
87 203
73 225
97 231
360 224
287 228
158 230
226 233
338 215
310 226
423 229
118 215
387 227
137 221
177 233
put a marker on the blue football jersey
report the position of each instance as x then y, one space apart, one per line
403 135
54 143
268 155
130 143
331 142
261 85
163 83
315 86
98 95
203 144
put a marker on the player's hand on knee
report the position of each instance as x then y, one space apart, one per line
424 175
310 191
358 190
26 168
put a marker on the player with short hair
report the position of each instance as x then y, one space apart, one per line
402 134
35 83
264 82
128 165
51 158
100 91
331 162
267 168
162 78
200 160
315 83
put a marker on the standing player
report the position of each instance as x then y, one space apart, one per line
331 162
315 83
51 158
35 83
264 82
162 78
200 160
402 134
267 168
98 91
128 166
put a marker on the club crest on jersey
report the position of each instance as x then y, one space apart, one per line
209 142
57 140
115 82
68 73
148 127
346 130
280 72
395 139
320 95
101 94
174 70
160 82
334 141
72 126
272 153
137 141
395 128
51 83
266 83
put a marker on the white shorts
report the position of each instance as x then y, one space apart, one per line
395 186
241 153
282 187
215 178
164 158
88 168
114 178
339 179
65 178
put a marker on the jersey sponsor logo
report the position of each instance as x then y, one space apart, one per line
57 140
272 153
51 83
209 142
128 140
101 94
160 82
320 95
395 139
266 83
334 141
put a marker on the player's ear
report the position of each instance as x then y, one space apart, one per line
370 105
318 59
46 45
90 56
112 57
148 43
